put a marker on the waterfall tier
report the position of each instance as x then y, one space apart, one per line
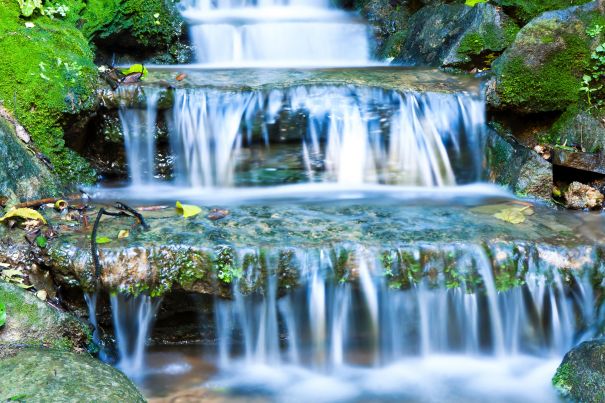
275 33
345 135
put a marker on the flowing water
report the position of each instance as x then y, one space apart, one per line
453 328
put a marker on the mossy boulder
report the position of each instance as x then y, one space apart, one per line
22 175
581 376
32 322
541 71
526 10
149 29
47 79
580 127
39 375
389 21
456 35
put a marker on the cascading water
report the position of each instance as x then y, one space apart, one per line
348 135
444 331
236 33
365 338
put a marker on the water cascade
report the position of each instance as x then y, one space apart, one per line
450 323
236 33
336 134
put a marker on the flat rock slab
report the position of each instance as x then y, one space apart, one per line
203 255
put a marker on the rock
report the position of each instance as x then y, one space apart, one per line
135 30
579 196
582 128
541 71
525 10
32 322
389 21
590 162
47 81
518 167
39 375
456 35
22 175
581 375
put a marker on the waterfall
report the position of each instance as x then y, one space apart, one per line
342 134
133 319
349 330
275 33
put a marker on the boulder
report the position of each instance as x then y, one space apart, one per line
32 322
40 375
541 71
579 197
22 175
456 35
581 375
517 167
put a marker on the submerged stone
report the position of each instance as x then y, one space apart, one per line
579 196
40 375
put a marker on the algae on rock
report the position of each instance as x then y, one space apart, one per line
40 375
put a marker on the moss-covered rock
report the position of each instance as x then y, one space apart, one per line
47 77
581 376
39 375
32 322
22 175
149 29
525 10
389 21
456 35
541 71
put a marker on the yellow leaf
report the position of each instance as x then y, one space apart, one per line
103 240
123 234
24 213
42 295
514 215
187 210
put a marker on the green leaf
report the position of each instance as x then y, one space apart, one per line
103 240
187 210
2 314
473 3
136 68
24 213
29 6
41 241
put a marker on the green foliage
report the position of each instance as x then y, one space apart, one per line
473 3
593 80
28 7
2 314
226 268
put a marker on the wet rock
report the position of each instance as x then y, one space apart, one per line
455 35
581 375
580 128
579 196
591 162
518 167
22 176
40 375
541 71
32 322
389 21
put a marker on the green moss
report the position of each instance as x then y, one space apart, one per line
136 23
46 74
394 44
551 86
488 42
525 10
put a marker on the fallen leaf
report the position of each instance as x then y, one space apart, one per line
136 68
123 234
515 215
181 76
24 213
217 214
187 210
42 295
41 241
103 240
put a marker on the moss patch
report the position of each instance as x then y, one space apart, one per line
525 10
46 75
